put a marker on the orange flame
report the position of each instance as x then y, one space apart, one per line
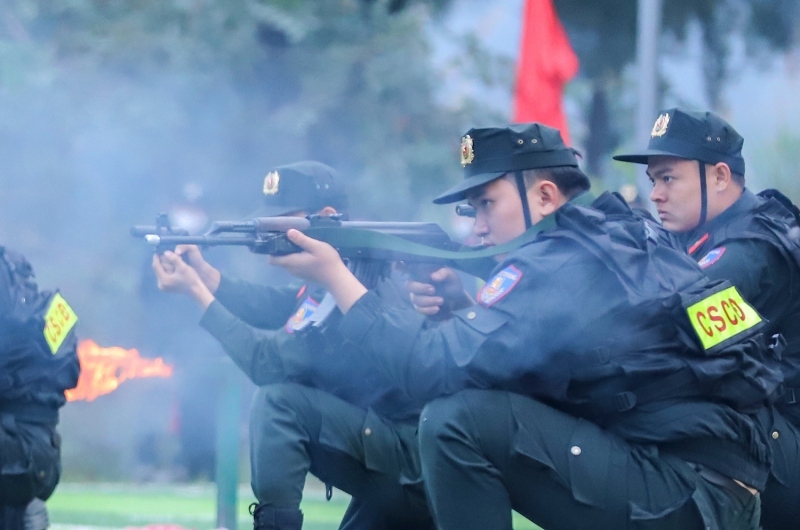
104 369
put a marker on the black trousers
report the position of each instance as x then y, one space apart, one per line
780 502
485 453
295 430
30 467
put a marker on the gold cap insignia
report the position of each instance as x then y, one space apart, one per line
660 126
271 182
467 154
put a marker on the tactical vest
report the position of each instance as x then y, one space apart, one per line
38 346
775 220
673 365
740 370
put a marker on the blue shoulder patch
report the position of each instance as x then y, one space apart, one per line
499 286
711 258
302 315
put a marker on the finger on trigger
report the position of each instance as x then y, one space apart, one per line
440 274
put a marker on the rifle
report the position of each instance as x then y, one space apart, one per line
161 228
369 248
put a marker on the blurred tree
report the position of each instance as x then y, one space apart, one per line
603 34
781 160
347 82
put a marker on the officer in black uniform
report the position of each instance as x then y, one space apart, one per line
695 163
38 361
595 397
318 409
297 189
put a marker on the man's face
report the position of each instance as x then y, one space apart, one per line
498 211
676 191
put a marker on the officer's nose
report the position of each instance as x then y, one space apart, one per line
657 195
481 228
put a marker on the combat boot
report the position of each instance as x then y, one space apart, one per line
267 517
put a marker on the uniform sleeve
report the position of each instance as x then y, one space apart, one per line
265 356
511 341
759 271
258 305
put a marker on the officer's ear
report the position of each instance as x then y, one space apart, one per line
548 196
721 177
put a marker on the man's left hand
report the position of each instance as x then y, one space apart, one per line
175 276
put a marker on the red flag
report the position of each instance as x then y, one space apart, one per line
546 63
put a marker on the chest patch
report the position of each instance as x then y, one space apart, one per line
302 315
711 258
500 285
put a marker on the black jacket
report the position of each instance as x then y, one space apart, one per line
38 346
589 317
755 244
258 328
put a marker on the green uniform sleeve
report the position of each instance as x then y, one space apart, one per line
258 305
265 356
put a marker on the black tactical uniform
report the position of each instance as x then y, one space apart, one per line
755 244
39 362
319 409
593 402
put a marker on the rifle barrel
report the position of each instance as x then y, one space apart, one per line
203 241
144 230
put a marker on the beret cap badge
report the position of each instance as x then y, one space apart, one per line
467 154
660 126
271 182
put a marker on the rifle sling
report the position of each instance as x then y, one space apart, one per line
478 262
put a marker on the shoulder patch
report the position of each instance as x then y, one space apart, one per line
500 285
302 315
722 316
711 258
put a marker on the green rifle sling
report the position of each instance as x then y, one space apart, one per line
478 262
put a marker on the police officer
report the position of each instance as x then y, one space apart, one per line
297 189
318 408
694 160
38 362
583 390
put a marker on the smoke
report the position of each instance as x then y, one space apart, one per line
86 154
102 129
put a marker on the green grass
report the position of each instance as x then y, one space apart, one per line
116 506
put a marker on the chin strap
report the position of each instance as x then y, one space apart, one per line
703 194
523 195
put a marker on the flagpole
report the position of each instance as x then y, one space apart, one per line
648 30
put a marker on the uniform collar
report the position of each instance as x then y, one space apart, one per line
695 238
